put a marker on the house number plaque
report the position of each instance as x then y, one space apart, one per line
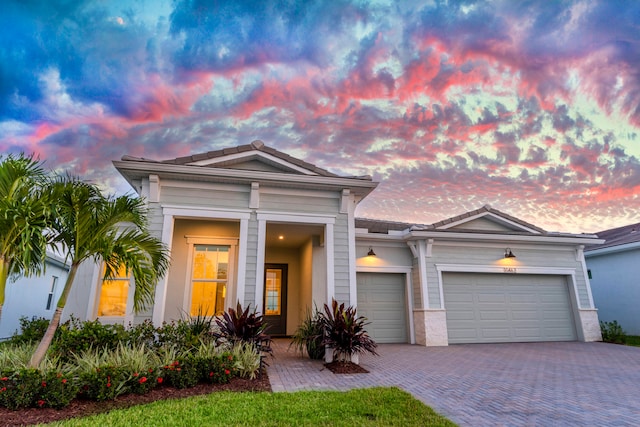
510 270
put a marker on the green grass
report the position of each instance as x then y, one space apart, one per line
381 406
633 340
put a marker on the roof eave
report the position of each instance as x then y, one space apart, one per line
611 249
132 170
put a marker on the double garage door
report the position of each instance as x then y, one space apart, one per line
382 300
495 308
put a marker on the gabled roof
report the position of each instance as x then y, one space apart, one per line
228 157
487 212
619 236
254 162
485 223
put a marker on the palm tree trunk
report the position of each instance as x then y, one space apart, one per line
41 351
4 274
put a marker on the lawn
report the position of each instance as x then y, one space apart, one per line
363 407
633 340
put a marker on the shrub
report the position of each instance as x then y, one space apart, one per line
58 390
16 356
142 334
75 336
344 332
244 326
30 330
612 332
21 388
217 369
103 383
309 336
181 373
139 362
246 360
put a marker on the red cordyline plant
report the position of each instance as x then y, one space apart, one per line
344 332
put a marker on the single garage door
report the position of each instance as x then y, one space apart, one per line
382 300
485 308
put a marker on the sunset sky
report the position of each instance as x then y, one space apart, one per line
532 107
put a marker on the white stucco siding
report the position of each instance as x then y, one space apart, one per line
228 196
540 256
616 289
341 260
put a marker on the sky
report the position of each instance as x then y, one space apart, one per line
532 107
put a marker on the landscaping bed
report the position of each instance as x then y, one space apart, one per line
82 407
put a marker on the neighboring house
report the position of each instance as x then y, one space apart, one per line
255 225
33 296
614 268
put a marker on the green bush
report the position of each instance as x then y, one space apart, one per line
181 373
58 390
31 330
309 336
103 383
246 360
74 336
217 369
612 332
21 388
142 334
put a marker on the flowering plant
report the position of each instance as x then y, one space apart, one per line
181 373
142 382
218 369
57 389
103 383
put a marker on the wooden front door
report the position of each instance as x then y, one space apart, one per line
275 298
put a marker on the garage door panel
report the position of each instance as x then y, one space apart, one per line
507 308
382 300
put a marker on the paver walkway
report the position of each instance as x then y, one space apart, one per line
522 384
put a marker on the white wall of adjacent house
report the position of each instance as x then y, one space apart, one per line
31 296
615 287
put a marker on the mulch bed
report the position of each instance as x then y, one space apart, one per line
82 408
345 368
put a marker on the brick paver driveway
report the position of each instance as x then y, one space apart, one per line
545 384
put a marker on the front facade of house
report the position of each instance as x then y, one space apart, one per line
613 266
254 225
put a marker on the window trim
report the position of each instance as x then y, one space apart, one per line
128 314
192 241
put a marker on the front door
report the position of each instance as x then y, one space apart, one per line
275 298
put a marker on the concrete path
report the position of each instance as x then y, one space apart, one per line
524 384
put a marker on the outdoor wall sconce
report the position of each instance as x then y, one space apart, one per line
371 253
508 253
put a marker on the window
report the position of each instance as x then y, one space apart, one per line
273 289
209 279
52 292
113 294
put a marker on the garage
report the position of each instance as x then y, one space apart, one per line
382 300
493 308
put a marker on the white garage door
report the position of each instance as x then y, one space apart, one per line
382 300
507 308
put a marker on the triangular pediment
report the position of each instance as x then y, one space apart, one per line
487 219
254 161
252 157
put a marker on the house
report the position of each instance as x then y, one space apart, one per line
613 270
33 296
255 225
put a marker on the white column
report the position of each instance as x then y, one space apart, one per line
242 261
161 288
262 236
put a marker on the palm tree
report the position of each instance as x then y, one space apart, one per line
91 226
23 218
